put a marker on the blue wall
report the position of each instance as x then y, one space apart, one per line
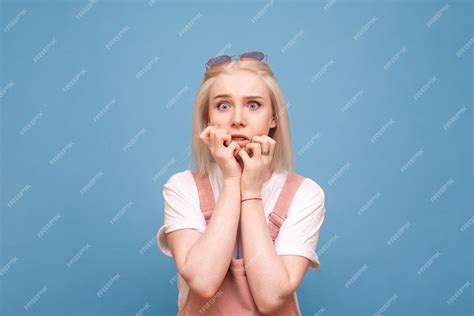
96 105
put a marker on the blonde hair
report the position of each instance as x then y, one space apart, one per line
283 155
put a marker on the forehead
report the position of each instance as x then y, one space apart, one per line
239 84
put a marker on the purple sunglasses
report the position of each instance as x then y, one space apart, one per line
222 59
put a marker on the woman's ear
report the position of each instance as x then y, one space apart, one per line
273 123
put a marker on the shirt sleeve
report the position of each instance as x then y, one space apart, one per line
181 208
299 233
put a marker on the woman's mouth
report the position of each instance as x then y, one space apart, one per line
241 141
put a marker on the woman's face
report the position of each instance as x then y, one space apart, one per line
240 103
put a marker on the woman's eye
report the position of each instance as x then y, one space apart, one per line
254 103
219 105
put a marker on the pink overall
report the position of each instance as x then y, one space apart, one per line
234 296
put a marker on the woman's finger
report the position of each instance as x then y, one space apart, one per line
227 139
212 136
271 146
220 139
204 136
256 150
265 145
245 157
234 148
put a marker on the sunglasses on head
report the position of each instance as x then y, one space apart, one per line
222 59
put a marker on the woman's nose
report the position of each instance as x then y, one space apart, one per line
237 119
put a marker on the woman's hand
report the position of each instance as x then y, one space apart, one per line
256 168
223 149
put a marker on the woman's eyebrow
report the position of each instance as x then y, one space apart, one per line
246 97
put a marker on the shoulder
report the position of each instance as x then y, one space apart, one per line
308 201
181 178
310 190
180 193
181 184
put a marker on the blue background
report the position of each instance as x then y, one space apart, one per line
159 138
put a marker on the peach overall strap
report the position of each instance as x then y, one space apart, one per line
206 195
278 215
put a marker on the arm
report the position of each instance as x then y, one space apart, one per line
274 278
203 259
270 288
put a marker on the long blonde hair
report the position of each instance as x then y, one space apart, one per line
283 154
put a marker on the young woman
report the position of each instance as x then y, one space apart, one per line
241 226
